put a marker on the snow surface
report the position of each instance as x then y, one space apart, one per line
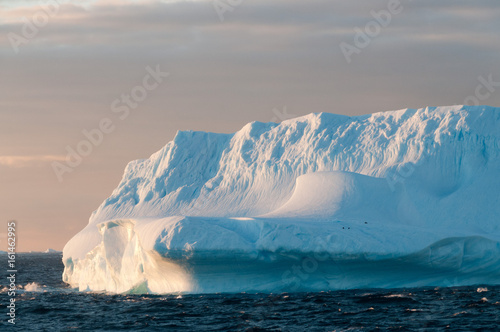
324 201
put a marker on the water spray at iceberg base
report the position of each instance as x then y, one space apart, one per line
322 202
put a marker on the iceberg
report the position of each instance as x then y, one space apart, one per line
320 202
51 251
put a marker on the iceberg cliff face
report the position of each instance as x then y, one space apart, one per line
392 199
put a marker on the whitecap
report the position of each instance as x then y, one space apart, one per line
33 287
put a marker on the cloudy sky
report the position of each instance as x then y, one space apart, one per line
69 67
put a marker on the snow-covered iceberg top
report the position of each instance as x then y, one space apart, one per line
318 202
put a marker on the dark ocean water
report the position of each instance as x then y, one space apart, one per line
50 305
